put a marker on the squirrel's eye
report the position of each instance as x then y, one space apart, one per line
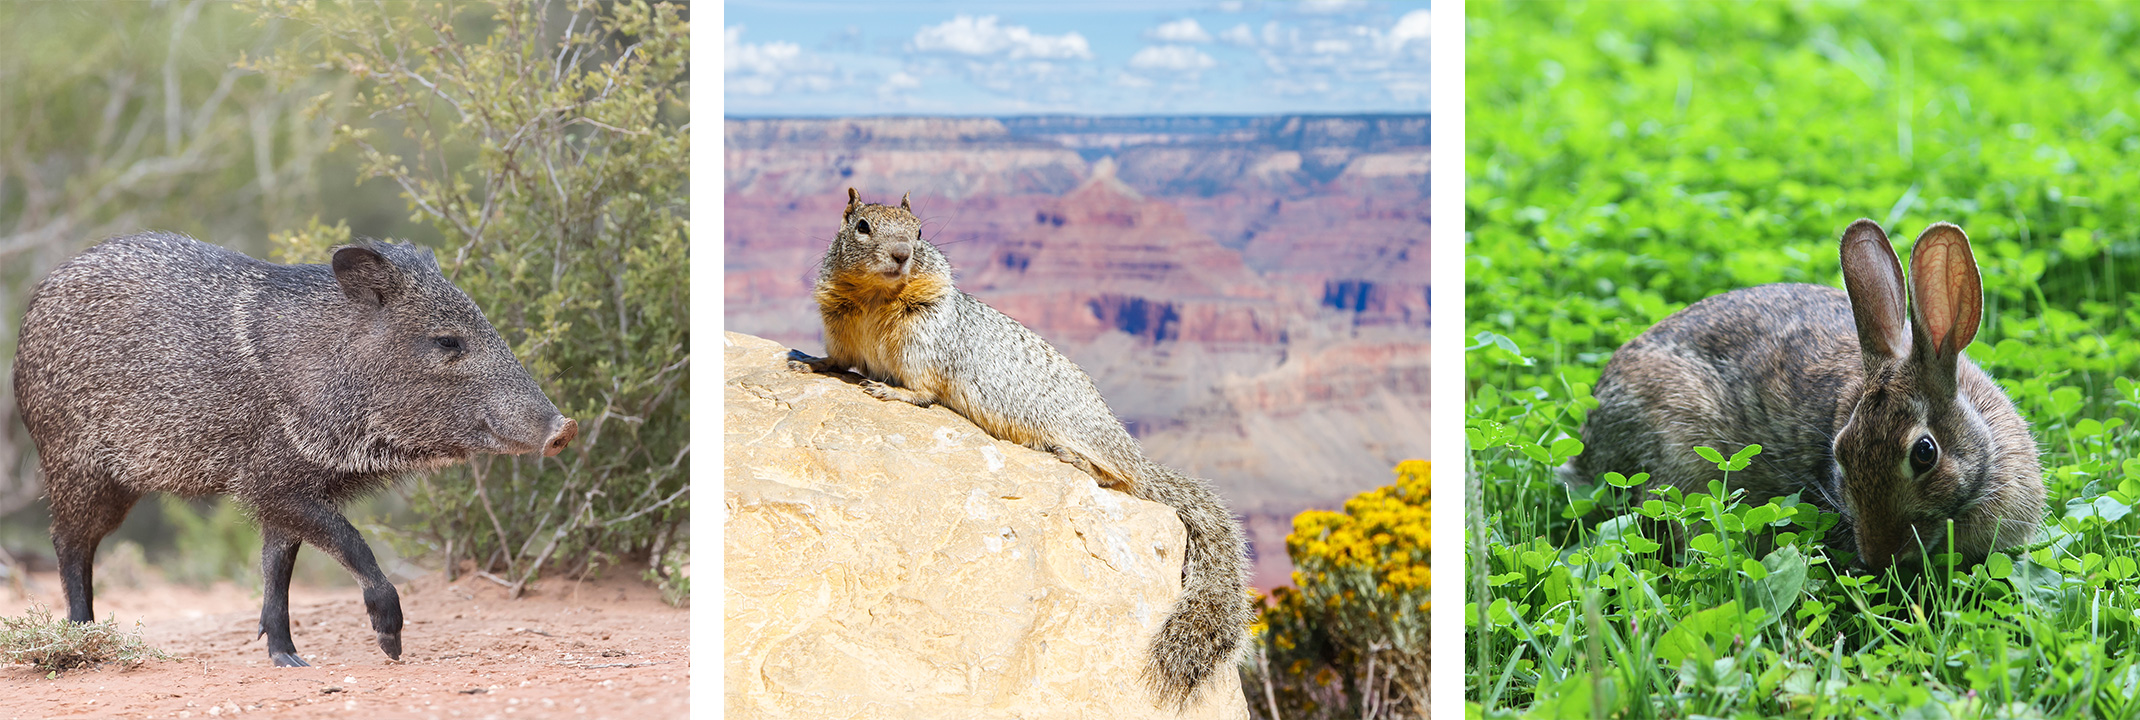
448 343
1923 454
862 226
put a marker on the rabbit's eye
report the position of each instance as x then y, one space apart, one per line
862 226
1923 454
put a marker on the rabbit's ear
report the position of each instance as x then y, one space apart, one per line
1874 279
1948 297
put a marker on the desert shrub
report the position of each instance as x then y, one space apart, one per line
547 146
53 644
1350 639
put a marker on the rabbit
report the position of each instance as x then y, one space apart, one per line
1869 415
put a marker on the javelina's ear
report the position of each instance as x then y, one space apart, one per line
429 258
366 276
854 200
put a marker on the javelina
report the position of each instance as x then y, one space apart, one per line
157 363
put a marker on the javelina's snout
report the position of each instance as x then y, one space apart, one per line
561 434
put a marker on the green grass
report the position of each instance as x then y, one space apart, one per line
1624 160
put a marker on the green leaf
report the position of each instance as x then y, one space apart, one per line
1534 452
1785 580
1565 448
1746 453
2109 509
1999 566
1691 637
1710 454
2087 428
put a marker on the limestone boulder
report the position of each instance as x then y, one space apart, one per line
889 561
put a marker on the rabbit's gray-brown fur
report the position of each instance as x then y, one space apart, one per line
1846 394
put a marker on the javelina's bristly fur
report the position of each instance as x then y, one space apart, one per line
156 363
892 313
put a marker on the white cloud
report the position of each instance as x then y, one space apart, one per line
1174 58
1415 25
768 68
1184 30
770 58
900 80
1350 54
1273 33
1330 7
968 35
1331 46
1232 6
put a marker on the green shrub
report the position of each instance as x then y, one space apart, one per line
548 148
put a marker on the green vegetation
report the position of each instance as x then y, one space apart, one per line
550 152
53 644
1625 160
1350 638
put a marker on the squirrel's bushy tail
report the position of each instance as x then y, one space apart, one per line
1203 633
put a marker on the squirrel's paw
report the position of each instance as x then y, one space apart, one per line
882 391
799 361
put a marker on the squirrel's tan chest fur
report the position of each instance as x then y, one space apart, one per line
870 325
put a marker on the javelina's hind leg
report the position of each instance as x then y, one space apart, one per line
278 556
317 523
84 510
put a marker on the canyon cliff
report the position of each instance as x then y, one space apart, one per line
1250 293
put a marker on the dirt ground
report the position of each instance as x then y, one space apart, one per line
606 648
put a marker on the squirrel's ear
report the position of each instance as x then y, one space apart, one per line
366 276
903 202
854 200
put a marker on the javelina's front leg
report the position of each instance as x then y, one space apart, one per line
316 522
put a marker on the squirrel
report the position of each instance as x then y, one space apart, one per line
892 314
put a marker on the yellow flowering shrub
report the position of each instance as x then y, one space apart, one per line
1355 623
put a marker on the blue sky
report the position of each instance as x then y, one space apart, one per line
1098 57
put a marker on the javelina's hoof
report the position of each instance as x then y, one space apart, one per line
287 660
391 643
564 436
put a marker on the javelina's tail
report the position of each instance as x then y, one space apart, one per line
1203 633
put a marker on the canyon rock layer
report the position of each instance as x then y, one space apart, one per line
1250 293
889 561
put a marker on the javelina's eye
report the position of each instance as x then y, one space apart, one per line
862 226
1923 454
448 343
